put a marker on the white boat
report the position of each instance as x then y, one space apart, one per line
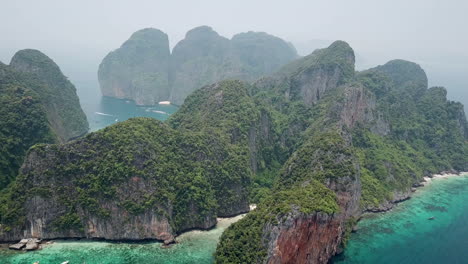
165 103
99 113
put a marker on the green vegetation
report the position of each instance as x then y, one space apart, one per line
371 134
23 121
225 114
426 134
243 241
325 156
139 69
338 56
108 166
55 91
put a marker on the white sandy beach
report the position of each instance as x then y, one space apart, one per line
428 180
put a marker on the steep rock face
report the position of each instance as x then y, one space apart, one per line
138 179
366 137
225 111
139 69
310 77
204 57
56 92
405 75
144 70
359 106
304 239
260 53
460 116
315 237
23 120
197 60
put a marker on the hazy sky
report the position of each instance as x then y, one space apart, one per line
77 34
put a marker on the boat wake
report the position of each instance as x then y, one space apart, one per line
99 113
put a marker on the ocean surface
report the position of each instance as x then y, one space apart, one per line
406 235
104 111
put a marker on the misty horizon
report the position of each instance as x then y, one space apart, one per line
425 32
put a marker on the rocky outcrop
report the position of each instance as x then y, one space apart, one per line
323 70
37 105
359 107
199 59
405 75
140 179
139 69
86 189
260 53
303 238
119 225
209 110
56 92
27 244
362 136
397 197
205 57
144 70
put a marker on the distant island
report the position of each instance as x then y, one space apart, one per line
144 70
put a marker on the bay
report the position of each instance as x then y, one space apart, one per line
103 111
193 247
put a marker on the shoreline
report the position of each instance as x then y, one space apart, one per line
443 175
220 223
401 196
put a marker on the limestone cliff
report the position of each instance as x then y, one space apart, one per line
139 179
309 78
23 120
143 69
366 137
260 53
38 104
315 145
56 92
205 57
139 69
301 238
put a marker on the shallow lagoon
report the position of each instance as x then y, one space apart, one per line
193 247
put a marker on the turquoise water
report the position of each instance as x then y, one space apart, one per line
193 247
104 111
110 111
405 235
